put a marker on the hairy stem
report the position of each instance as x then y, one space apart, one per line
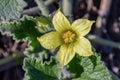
114 77
11 58
103 41
67 8
42 7
36 9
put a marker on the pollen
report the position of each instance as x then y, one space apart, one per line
68 37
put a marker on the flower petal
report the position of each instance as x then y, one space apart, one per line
60 22
83 47
50 40
82 26
65 54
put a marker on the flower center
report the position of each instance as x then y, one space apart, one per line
68 36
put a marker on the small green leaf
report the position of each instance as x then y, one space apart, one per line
11 9
23 30
37 70
88 68
44 24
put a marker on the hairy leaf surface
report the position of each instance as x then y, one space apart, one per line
11 9
37 70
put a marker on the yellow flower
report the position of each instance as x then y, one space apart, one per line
70 38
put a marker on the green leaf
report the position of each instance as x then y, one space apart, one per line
11 9
44 25
37 70
88 68
23 30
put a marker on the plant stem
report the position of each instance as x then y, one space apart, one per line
10 58
31 10
67 8
114 77
103 41
42 7
36 9
48 2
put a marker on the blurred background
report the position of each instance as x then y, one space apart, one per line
106 29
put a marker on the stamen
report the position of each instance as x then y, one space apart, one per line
68 36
